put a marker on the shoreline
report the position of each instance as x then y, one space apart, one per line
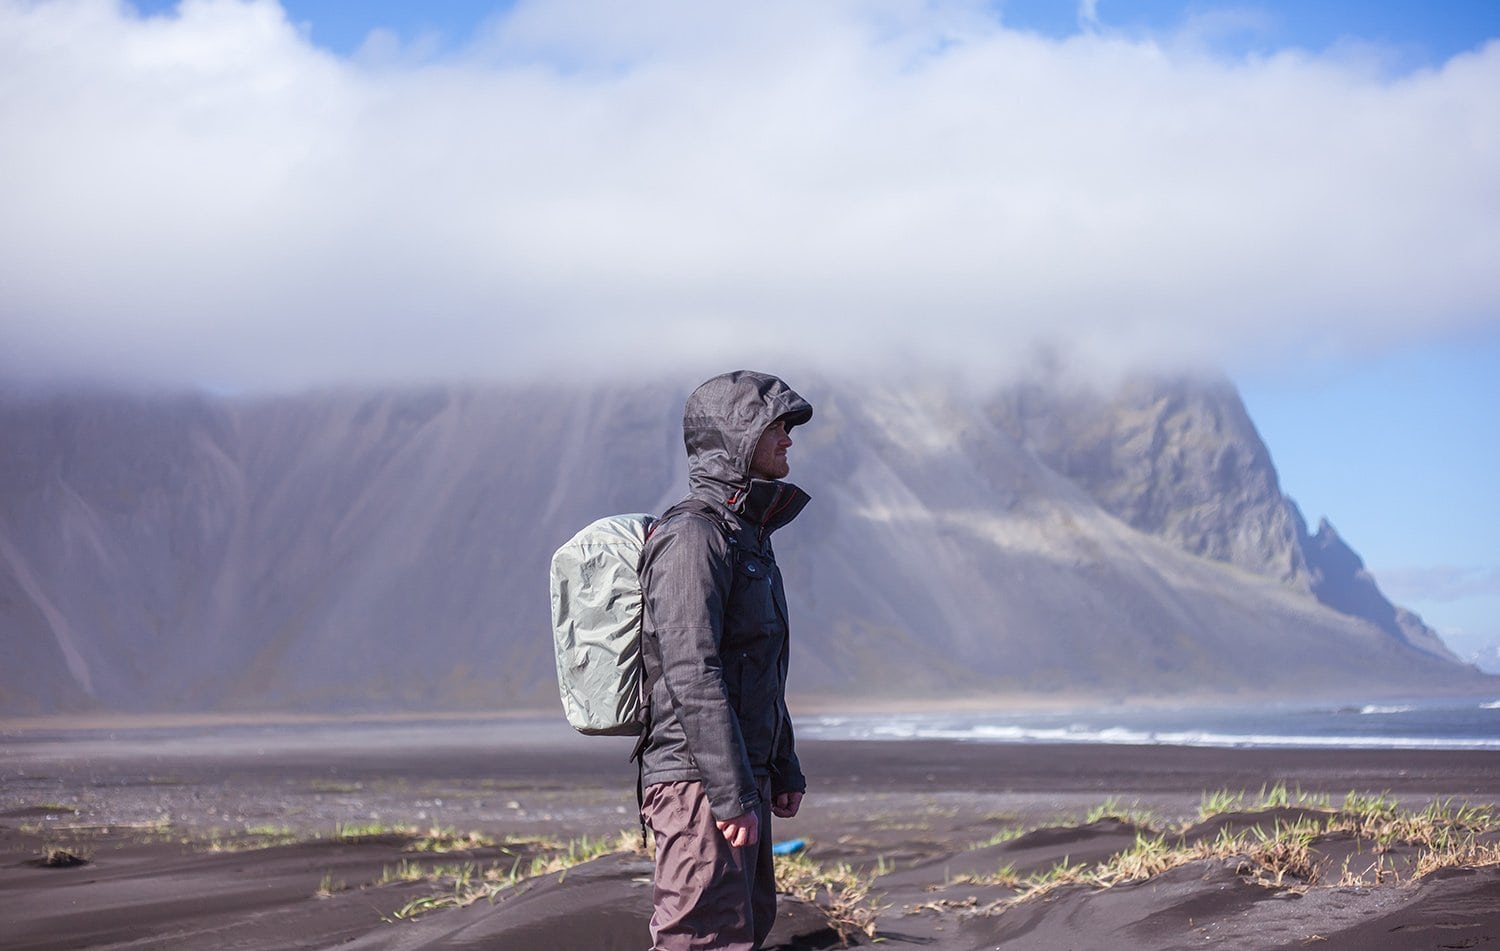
802 707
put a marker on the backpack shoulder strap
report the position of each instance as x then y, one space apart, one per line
705 510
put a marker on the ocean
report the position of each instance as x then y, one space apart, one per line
1446 724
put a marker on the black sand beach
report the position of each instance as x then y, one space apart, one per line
362 835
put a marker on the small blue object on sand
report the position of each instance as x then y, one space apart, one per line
789 847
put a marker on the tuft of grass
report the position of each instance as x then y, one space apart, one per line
279 833
1277 796
578 851
1377 870
404 871
1280 797
58 808
1464 852
1449 836
1112 808
1368 806
841 891
1220 802
1437 827
253 837
56 856
361 831
1060 874
440 839
1285 851
328 887
1149 857
467 883
1005 876
1000 837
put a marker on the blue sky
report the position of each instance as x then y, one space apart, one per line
1412 32
1302 194
1400 452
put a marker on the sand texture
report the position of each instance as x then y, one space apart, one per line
374 835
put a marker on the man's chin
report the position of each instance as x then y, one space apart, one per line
780 472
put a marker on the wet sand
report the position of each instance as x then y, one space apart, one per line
288 836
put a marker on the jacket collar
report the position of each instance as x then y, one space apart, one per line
767 504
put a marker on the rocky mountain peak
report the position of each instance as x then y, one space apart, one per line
1339 580
1181 460
1175 458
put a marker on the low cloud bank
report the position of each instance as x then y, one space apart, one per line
210 199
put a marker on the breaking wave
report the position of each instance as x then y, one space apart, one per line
1378 727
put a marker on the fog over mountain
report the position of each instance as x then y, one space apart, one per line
386 550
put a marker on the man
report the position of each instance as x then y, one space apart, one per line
718 760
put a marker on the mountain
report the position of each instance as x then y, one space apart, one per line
373 551
1181 460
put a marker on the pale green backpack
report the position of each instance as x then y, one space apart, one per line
597 614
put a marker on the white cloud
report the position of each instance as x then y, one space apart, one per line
211 199
1088 14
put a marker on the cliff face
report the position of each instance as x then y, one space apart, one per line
1177 460
1181 460
388 551
1339 580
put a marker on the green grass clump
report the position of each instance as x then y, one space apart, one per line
359 831
840 890
1286 854
1005 876
1220 802
1277 796
1112 808
328 887
1001 836
465 883
440 839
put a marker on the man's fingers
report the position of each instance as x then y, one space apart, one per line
731 831
740 831
786 805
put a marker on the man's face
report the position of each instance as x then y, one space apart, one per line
769 461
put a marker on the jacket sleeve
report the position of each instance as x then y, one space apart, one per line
686 577
786 771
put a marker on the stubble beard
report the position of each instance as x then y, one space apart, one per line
777 468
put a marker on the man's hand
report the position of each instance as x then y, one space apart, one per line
786 804
743 829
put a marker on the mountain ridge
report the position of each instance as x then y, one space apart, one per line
366 551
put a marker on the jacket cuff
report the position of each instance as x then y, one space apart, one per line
727 807
795 783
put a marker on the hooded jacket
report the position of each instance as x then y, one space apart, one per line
715 635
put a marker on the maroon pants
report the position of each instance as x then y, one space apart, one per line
708 894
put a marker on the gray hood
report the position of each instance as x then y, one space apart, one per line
721 424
